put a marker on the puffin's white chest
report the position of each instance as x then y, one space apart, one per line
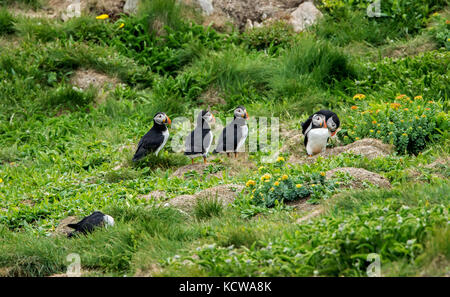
244 134
317 140
166 136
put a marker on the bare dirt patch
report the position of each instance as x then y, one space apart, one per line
154 195
62 228
225 194
85 78
360 177
368 147
212 97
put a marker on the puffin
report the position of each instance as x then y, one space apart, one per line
89 223
199 141
233 136
318 128
155 139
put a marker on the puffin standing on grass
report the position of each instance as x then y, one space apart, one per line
155 139
318 128
233 136
89 223
199 140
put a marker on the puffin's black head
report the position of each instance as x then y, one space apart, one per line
331 120
240 112
206 116
333 124
161 118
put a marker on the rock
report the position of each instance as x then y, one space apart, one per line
62 228
225 194
360 176
207 6
305 15
131 6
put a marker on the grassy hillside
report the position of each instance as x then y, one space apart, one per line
65 150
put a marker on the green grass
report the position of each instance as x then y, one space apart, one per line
64 152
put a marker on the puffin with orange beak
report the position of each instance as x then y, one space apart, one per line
317 129
155 139
233 136
199 140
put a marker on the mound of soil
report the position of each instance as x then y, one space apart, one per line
84 78
360 176
154 195
225 194
62 228
368 147
231 166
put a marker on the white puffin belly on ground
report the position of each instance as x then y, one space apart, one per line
244 133
166 136
317 140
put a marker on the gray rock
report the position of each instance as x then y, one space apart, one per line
305 15
206 6
131 6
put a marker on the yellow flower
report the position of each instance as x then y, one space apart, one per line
298 186
400 96
261 168
266 177
1 180
253 191
374 122
121 26
371 131
250 183
418 98
313 185
395 105
280 159
359 96
378 131
405 109
424 116
271 189
354 107
322 173
276 184
102 17
390 133
435 14
404 134
284 177
356 138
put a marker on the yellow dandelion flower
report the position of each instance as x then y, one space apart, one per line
418 98
250 183
253 191
121 26
1 180
356 138
298 186
313 185
378 131
276 184
371 131
424 116
390 133
102 17
280 159
359 96
271 189
404 134
322 173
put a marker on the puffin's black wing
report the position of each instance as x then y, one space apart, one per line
89 223
306 124
149 143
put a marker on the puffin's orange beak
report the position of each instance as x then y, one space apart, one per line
246 114
168 120
325 124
